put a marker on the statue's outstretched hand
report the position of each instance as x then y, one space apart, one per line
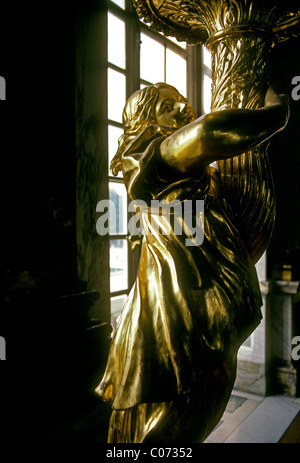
273 98
281 100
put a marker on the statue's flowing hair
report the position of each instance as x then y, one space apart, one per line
138 113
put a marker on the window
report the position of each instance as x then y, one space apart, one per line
120 3
207 80
163 60
136 57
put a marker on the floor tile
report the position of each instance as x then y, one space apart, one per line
250 418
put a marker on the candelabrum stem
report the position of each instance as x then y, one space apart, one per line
240 80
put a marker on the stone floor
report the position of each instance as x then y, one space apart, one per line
254 419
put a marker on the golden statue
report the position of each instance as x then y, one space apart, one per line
172 361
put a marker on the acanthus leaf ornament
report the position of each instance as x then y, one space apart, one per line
196 20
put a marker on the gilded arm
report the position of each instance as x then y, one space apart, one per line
224 134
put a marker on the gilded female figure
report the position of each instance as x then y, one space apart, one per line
172 361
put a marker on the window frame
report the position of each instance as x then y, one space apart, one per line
193 55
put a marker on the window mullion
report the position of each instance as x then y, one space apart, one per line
132 54
194 79
195 76
165 63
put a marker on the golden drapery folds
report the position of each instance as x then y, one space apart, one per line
172 362
190 307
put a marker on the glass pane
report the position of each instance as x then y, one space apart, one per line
113 135
116 41
118 265
176 71
116 306
261 268
118 216
206 57
116 94
206 93
152 58
120 3
248 342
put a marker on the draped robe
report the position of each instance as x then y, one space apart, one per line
191 307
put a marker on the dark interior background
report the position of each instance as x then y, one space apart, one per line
55 351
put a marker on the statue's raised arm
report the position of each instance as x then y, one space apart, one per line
223 134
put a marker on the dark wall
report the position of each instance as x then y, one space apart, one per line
55 349
40 157
284 154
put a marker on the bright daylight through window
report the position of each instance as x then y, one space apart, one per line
157 59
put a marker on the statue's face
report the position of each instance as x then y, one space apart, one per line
172 109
